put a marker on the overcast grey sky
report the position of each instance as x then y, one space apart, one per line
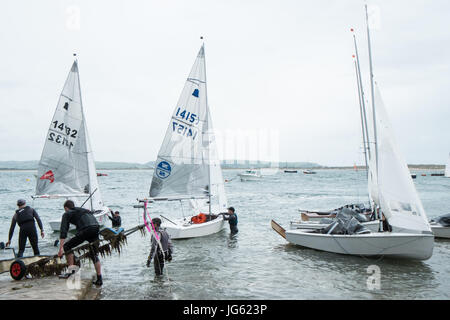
280 65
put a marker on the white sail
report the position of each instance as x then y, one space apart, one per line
447 167
187 163
399 200
67 165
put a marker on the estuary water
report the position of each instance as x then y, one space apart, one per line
257 263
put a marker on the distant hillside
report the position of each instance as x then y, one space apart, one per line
228 164
104 165
107 165
19 165
100 165
243 164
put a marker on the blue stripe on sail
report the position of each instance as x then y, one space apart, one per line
195 93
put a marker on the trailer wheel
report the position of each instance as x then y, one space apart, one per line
17 269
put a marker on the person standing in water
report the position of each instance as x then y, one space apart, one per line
87 230
232 219
25 217
115 219
155 252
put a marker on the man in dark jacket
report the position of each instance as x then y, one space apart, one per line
155 252
115 219
232 219
87 230
25 217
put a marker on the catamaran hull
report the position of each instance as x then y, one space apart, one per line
396 245
441 231
186 231
373 226
55 225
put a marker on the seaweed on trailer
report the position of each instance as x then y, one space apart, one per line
105 247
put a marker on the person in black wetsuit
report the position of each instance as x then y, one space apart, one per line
155 252
386 226
232 219
25 217
87 230
115 219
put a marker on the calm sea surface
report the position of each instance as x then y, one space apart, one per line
258 263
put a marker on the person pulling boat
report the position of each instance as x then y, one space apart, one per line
232 219
25 217
87 230
161 247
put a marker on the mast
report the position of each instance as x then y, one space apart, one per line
359 78
362 122
85 131
373 101
207 119
362 109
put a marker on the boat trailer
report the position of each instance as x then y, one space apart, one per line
45 265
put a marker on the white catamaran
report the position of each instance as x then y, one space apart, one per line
66 168
187 167
394 195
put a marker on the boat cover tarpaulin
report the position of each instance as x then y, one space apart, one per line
443 220
345 223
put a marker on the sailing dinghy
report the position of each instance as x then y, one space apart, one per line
187 168
396 198
411 236
363 213
66 168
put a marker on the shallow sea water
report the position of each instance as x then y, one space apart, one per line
257 263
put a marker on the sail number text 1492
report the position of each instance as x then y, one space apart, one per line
60 133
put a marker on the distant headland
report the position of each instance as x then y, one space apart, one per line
228 164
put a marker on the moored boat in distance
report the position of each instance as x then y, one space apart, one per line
250 175
308 171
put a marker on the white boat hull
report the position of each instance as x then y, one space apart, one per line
184 230
249 177
373 226
398 245
440 231
101 217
